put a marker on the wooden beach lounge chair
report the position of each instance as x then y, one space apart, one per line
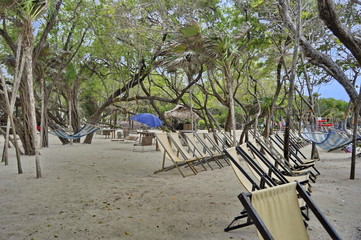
223 140
211 144
265 155
194 148
244 173
215 146
249 183
298 140
297 161
256 179
296 148
279 161
273 171
276 214
183 151
169 153
198 146
229 138
256 170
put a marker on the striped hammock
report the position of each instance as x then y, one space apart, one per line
85 130
328 140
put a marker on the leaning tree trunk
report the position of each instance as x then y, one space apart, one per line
26 137
140 76
10 122
28 51
228 123
292 84
74 113
269 119
357 106
10 104
44 137
229 78
354 141
44 126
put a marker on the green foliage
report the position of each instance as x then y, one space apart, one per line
330 107
110 39
191 30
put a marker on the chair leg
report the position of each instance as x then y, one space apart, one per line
209 165
243 214
179 170
192 168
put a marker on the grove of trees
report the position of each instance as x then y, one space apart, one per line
238 63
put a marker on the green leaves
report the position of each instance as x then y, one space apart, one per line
191 30
32 9
256 3
179 48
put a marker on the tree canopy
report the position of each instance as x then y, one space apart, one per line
100 61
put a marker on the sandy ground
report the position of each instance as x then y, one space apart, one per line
107 191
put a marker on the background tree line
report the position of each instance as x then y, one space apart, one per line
236 63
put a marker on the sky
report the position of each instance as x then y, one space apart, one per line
332 90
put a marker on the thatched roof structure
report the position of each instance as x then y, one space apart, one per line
181 112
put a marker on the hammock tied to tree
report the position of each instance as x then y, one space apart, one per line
328 140
85 130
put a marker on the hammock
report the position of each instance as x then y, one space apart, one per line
85 130
328 140
316 137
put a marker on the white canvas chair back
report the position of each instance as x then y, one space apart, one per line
165 146
265 168
193 142
210 145
260 163
251 155
279 209
241 177
300 178
176 139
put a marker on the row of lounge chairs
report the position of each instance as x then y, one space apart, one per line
277 198
193 150
204 148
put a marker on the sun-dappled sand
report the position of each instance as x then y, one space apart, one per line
106 191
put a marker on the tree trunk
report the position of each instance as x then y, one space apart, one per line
320 59
357 107
28 51
5 156
10 104
44 141
354 141
74 111
229 78
292 83
140 76
26 137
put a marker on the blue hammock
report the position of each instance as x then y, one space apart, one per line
85 130
328 140
316 137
